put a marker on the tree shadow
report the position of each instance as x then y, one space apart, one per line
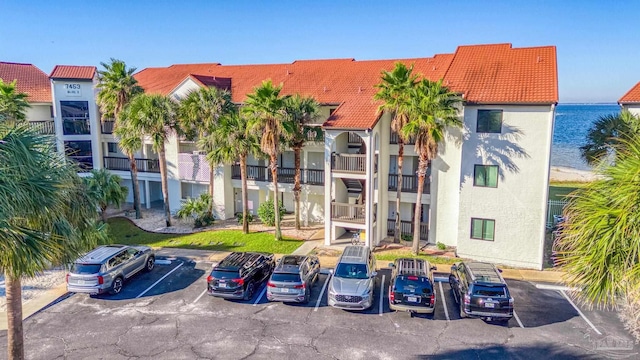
497 352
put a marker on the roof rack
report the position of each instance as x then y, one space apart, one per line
413 267
483 272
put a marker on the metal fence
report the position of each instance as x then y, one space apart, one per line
554 210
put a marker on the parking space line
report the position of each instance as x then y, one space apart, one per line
324 287
517 319
260 297
199 296
444 302
579 312
381 295
162 278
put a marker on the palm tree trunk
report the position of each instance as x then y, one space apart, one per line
15 335
245 197
422 174
274 175
165 185
134 185
211 179
396 233
296 185
103 213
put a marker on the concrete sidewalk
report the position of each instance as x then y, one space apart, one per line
36 304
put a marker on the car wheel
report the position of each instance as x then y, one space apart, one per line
116 286
248 294
151 261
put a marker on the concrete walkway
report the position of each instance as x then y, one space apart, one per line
36 304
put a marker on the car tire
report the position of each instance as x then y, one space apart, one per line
248 294
116 285
150 264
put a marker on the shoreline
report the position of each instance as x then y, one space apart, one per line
569 174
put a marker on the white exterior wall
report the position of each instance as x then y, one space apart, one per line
633 108
39 111
518 204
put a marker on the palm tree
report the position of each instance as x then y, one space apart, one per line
199 113
599 241
229 143
266 111
117 87
394 90
13 104
105 189
130 142
434 109
155 116
605 135
46 216
300 111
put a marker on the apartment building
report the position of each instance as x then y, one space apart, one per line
486 191
631 100
35 83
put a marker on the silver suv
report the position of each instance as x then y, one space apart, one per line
351 287
105 268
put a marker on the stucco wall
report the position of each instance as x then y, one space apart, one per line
39 111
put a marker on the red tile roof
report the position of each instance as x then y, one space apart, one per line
487 74
73 72
31 80
632 96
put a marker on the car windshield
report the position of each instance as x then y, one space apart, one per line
351 271
497 291
285 277
85 268
413 284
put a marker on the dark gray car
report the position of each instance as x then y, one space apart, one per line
293 279
105 268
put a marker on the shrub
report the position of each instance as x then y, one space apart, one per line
266 213
197 209
203 220
441 246
239 217
407 237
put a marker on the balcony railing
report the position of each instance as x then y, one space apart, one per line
354 213
406 229
285 175
73 126
353 163
43 127
354 139
409 184
393 139
107 126
122 163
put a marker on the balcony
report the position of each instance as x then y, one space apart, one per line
122 163
409 184
43 127
285 175
75 126
350 163
393 139
107 126
406 229
353 213
193 166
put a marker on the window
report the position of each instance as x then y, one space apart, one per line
75 117
80 151
190 190
489 121
483 229
485 175
112 147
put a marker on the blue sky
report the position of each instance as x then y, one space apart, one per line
598 41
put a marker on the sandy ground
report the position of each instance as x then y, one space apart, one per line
34 287
567 174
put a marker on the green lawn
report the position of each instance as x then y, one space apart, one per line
391 256
123 231
559 190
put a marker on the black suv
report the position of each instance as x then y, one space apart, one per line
239 274
411 287
481 291
293 279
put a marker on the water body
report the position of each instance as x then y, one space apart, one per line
572 123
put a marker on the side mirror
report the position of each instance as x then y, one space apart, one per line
374 274
392 265
454 268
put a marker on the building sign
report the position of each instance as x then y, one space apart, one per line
72 90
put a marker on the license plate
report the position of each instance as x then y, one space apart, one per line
222 284
412 299
285 290
489 305
80 282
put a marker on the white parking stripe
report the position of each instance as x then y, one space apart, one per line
579 312
199 296
517 319
324 287
260 297
444 302
163 262
381 295
162 278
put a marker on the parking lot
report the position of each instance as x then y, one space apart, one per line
166 314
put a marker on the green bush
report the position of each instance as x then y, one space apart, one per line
407 237
267 214
441 246
197 209
203 220
239 217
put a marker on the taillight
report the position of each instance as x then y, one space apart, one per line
270 284
238 281
412 278
100 280
392 296
209 278
467 299
67 278
299 286
433 299
510 301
